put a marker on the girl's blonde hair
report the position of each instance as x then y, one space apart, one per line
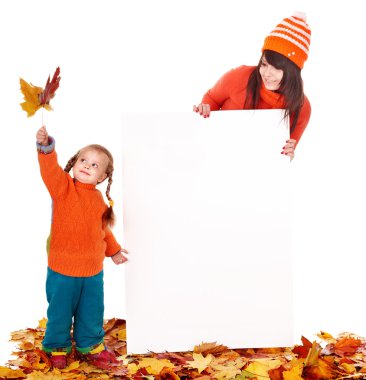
108 218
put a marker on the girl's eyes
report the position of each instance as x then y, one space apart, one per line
83 160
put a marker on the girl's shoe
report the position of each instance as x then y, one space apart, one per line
104 359
58 361
103 356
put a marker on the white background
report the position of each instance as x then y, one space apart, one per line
124 56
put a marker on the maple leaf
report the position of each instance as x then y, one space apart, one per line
322 370
293 374
42 323
276 373
209 348
36 97
260 367
167 374
200 362
347 346
9 373
31 97
173 357
154 366
245 375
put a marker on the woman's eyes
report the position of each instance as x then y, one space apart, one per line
95 166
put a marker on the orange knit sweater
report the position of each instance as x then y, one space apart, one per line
230 91
78 243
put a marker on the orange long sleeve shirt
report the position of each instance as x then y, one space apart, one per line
230 91
78 243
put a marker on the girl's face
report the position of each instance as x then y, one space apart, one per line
271 76
90 167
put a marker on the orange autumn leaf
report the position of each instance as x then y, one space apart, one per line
167 374
322 370
347 346
209 348
276 373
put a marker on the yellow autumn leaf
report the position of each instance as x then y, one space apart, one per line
326 336
42 323
200 362
154 366
71 367
260 367
53 375
349 368
9 373
293 374
226 373
119 334
227 370
31 97
313 355
132 368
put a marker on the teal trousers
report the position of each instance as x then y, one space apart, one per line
77 302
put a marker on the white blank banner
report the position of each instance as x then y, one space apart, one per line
206 221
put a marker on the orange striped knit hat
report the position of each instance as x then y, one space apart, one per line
291 38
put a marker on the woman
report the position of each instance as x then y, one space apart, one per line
275 83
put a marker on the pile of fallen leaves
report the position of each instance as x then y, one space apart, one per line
343 357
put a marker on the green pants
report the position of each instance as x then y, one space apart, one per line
77 301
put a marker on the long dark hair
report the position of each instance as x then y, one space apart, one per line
291 86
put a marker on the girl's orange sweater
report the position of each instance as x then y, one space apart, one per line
78 242
230 91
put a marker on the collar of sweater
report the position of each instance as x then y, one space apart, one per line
272 98
81 185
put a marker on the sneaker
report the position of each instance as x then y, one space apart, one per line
58 361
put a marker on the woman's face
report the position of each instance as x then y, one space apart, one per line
271 76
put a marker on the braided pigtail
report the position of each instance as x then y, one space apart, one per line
71 162
109 216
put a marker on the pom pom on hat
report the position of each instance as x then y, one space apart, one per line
291 38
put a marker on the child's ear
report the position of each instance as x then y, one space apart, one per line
102 178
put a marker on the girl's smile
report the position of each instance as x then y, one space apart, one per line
271 76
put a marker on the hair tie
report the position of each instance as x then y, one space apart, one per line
111 203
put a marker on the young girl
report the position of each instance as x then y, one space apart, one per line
79 240
274 83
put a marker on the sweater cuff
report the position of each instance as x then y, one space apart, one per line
46 149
